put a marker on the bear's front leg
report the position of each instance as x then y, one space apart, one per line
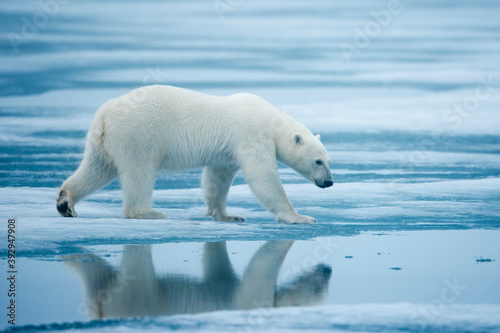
263 179
258 284
296 218
216 183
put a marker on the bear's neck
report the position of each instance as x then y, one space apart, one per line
285 148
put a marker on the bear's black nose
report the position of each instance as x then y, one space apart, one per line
328 183
327 270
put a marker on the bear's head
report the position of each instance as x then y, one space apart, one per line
305 153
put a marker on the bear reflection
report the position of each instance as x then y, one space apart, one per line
136 290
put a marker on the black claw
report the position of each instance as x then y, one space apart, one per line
63 208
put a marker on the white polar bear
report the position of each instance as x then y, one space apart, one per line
135 289
163 127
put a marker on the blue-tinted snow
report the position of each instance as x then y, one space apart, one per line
409 113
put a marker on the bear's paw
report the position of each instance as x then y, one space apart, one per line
296 219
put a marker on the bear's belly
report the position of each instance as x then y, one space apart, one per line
195 159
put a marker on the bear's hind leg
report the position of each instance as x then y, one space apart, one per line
216 183
137 184
95 172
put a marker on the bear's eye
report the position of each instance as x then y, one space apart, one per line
319 162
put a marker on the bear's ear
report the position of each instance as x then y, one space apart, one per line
318 136
297 139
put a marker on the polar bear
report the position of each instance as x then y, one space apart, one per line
136 289
164 127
